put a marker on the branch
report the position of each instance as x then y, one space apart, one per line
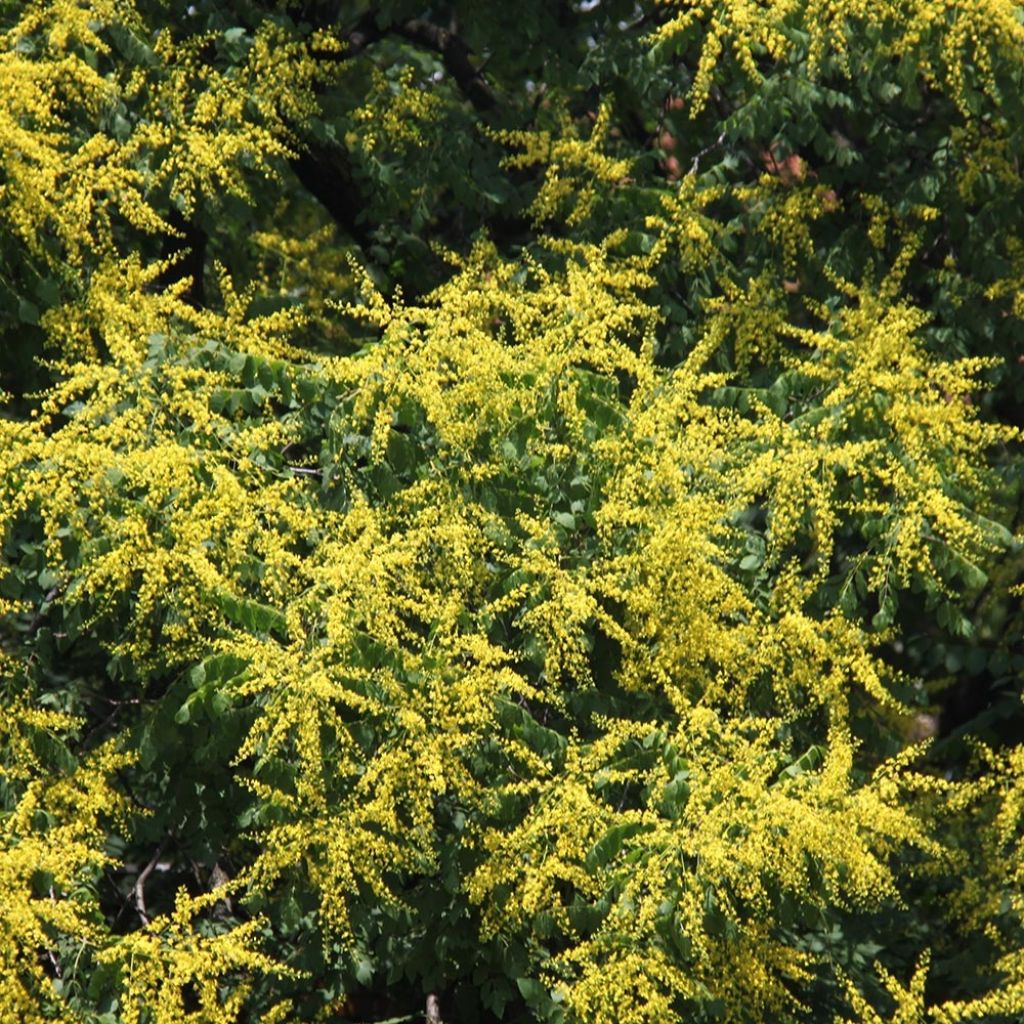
51 595
454 54
50 954
433 1015
451 48
704 152
326 173
140 882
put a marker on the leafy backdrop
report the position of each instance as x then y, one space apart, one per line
511 504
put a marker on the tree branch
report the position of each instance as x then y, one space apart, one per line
433 1014
326 173
454 54
140 882
51 595
452 49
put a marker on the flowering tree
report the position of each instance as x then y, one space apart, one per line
510 509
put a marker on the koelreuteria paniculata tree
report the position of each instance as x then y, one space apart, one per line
518 503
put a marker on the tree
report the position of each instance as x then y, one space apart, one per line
513 509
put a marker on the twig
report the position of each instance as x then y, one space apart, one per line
51 594
140 882
704 152
433 1009
51 956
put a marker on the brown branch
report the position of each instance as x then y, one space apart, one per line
326 173
433 1015
140 882
50 954
454 54
366 32
452 49
51 595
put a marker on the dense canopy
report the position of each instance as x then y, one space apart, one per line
511 512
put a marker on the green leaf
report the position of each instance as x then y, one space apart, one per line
882 619
256 617
48 579
675 794
531 990
607 848
28 312
566 520
363 970
809 761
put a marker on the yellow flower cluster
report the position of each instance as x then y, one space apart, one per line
573 165
174 974
502 560
65 174
938 38
395 113
51 845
